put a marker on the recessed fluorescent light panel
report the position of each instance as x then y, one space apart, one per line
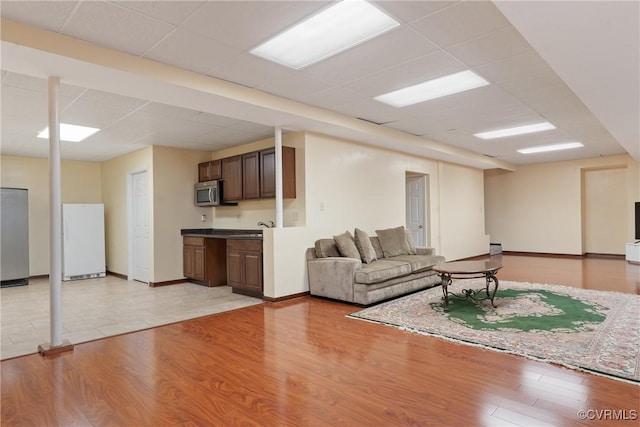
337 28
520 130
436 88
555 147
72 133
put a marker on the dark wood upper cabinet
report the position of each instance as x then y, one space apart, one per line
208 171
232 179
251 175
268 173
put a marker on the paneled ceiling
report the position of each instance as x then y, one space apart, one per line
213 38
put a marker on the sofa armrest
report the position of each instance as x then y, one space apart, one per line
333 277
421 250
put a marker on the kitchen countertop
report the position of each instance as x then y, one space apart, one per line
223 233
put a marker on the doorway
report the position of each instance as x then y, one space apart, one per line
138 202
416 208
604 211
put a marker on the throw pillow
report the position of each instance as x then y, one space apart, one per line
393 241
346 245
363 243
412 247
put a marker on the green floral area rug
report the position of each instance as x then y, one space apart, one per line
594 331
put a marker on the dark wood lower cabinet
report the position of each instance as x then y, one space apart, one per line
204 260
244 267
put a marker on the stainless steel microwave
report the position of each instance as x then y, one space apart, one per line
208 193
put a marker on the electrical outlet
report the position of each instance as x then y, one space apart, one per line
321 206
203 218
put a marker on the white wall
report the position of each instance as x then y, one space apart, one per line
175 173
538 208
351 185
114 195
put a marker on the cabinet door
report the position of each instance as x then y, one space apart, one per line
203 171
253 271
187 261
232 179
251 175
208 171
235 268
198 263
215 170
268 173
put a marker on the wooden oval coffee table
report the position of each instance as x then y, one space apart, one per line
468 270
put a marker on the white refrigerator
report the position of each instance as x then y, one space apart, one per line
83 253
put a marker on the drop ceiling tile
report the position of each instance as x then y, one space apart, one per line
115 27
246 24
112 100
24 102
173 12
190 51
485 97
248 70
86 113
156 108
420 126
515 67
38 84
387 50
183 130
461 22
333 97
370 110
49 15
409 11
293 85
433 65
490 48
212 119
528 86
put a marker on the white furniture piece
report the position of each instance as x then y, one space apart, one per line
83 252
632 253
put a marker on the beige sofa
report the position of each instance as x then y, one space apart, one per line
389 273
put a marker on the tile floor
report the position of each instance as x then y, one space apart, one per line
98 308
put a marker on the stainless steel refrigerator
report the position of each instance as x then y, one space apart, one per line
14 237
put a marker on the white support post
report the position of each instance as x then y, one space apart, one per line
55 219
279 208
56 345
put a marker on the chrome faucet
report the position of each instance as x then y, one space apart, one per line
264 224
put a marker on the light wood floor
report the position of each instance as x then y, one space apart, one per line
303 363
103 307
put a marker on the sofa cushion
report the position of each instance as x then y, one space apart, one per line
363 243
394 241
381 270
419 262
412 247
375 242
326 248
346 245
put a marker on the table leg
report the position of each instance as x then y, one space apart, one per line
446 281
491 276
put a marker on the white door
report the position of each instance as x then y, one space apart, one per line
416 220
140 217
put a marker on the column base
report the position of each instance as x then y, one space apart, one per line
47 349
